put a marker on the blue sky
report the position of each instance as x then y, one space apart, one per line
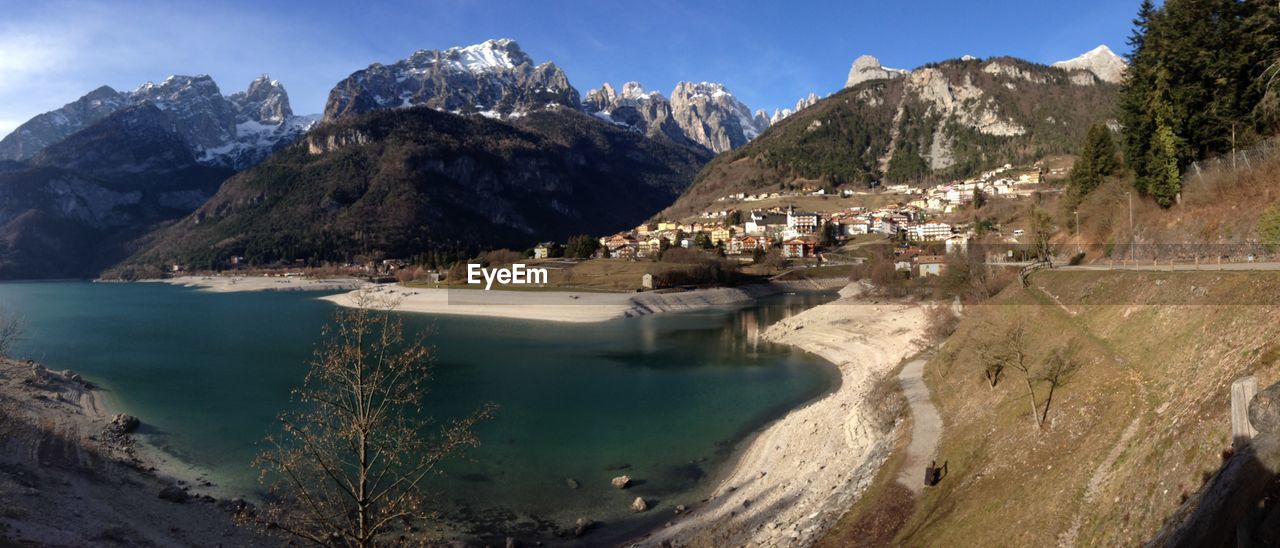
768 53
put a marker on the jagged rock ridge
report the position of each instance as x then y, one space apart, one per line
236 131
704 113
495 78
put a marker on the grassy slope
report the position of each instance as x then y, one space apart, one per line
1162 373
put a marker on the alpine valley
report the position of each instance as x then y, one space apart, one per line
481 147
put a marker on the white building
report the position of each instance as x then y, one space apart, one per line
930 232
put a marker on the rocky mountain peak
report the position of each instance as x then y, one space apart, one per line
703 113
236 131
488 56
867 68
1101 61
53 126
712 116
265 101
495 78
635 92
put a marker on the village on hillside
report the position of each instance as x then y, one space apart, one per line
746 233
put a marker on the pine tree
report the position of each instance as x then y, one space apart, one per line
1097 161
1193 82
1136 91
1162 175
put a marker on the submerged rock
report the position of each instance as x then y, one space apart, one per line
639 505
582 526
621 482
572 483
173 493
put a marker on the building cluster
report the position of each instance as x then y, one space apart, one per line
943 198
799 234
795 233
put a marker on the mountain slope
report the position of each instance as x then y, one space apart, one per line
948 119
397 183
71 211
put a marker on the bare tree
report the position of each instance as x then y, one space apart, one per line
1062 363
10 332
349 466
1041 225
1011 350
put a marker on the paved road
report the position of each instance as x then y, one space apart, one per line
1180 267
926 427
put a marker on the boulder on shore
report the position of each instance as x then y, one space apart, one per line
125 424
639 505
621 482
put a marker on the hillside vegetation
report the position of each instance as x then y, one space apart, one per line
405 183
1201 82
1134 430
1222 214
74 208
946 120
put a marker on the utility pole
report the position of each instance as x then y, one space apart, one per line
1079 249
1233 146
1130 196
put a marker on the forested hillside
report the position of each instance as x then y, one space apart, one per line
950 119
418 183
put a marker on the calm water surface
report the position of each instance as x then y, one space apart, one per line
662 398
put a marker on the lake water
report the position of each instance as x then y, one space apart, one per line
663 398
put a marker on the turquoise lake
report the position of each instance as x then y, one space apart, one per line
665 398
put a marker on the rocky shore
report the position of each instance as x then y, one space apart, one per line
71 473
798 476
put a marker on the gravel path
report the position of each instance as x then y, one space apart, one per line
926 427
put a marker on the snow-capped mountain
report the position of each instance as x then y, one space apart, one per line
495 78
236 131
704 113
1100 61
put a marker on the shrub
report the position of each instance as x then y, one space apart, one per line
1269 227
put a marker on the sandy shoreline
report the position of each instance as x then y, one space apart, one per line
235 284
565 306
801 473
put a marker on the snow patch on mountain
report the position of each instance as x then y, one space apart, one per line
494 77
1101 61
235 131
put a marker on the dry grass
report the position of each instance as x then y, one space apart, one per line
1218 210
1132 434
882 510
